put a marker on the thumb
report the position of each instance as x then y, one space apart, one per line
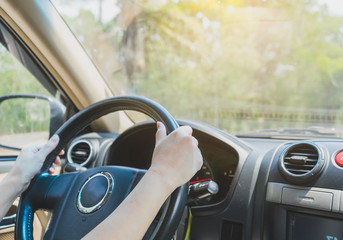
161 132
49 146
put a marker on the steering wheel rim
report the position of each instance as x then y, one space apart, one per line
177 200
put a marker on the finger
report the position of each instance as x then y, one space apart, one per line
50 145
185 129
51 170
57 161
161 132
195 141
200 160
61 152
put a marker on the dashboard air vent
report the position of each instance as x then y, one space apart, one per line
301 162
80 152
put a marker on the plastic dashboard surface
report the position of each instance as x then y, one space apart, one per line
255 199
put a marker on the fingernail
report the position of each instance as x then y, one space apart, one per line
54 139
158 124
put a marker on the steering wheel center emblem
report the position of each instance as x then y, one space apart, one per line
95 192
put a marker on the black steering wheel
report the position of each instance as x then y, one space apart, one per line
81 200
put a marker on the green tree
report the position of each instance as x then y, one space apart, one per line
220 61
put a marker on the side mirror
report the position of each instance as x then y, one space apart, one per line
26 119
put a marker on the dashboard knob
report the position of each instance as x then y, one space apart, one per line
202 190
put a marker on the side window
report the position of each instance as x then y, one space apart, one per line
15 77
26 93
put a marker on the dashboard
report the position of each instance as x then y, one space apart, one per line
267 188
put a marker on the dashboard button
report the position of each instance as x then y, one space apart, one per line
339 158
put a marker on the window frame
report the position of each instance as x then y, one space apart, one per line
17 47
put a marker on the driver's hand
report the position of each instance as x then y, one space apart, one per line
31 159
176 157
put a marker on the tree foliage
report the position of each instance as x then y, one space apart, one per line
20 115
221 61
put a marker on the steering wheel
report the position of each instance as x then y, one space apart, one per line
81 200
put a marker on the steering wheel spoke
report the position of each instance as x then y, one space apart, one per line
91 196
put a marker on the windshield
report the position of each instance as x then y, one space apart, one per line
241 66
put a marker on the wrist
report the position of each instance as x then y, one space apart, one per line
15 176
10 185
166 182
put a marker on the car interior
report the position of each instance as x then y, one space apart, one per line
269 180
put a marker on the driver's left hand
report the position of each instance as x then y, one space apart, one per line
31 159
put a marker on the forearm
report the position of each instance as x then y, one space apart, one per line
10 189
28 163
135 214
175 160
